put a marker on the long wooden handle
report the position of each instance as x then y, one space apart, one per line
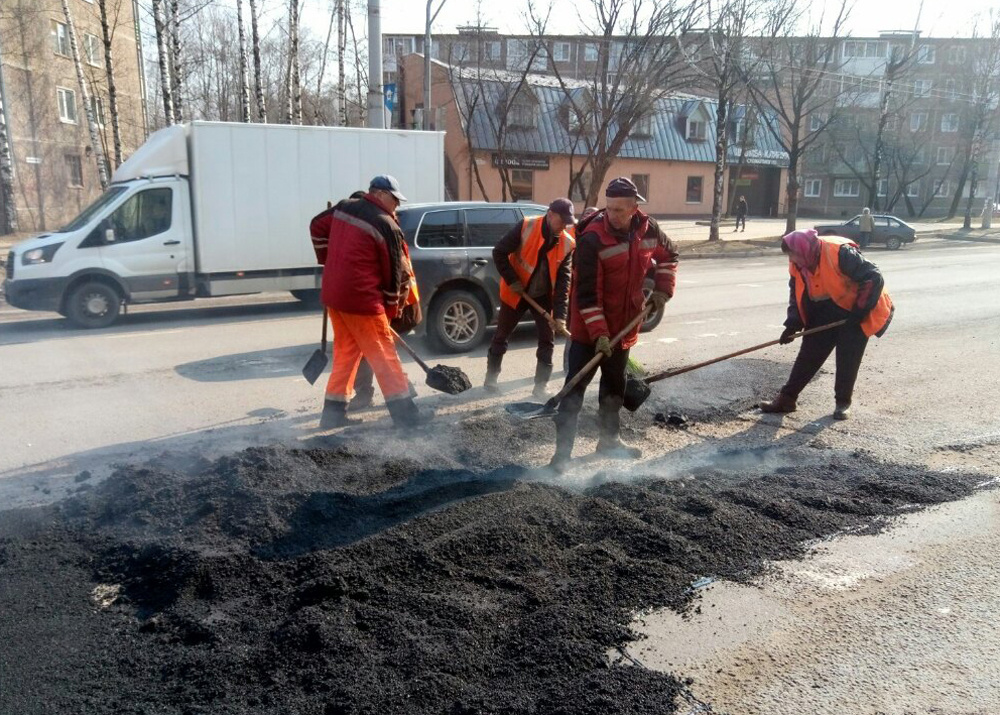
409 350
681 370
534 304
593 362
322 342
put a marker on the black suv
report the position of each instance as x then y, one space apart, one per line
452 249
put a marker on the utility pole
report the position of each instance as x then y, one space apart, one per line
376 102
431 17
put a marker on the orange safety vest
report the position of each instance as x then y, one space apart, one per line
523 261
828 282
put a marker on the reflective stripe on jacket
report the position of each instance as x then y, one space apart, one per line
828 281
524 260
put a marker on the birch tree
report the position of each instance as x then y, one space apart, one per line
294 83
95 142
109 72
244 78
255 47
6 167
175 59
163 61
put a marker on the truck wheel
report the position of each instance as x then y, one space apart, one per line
893 243
654 319
457 321
93 305
309 298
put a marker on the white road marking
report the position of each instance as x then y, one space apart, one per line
667 340
145 333
753 265
707 335
749 285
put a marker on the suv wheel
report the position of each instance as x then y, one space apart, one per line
655 317
457 321
893 243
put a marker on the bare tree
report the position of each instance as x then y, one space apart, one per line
322 64
981 117
799 86
244 78
176 65
294 83
6 166
109 72
255 47
95 143
163 61
341 62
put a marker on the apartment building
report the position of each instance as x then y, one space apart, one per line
926 142
55 171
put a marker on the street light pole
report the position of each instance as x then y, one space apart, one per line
427 61
376 102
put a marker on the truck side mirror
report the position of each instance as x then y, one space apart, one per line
109 235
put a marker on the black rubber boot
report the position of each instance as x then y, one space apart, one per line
780 404
363 398
542 374
335 415
493 363
565 437
406 415
609 444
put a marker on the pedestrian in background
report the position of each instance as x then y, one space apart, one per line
830 281
866 227
534 258
742 208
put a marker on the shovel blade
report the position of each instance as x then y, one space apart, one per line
636 392
315 366
450 380
530 410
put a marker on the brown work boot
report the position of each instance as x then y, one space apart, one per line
842 411
335 415
542 374
611 447
780 404
493 363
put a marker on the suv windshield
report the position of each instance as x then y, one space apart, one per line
88 213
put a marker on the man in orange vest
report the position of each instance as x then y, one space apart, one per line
830 281
534 258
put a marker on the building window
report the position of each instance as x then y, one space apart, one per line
950 89
522 185
816 122
920 156
956 55
695 130
855 49
813 188
92 50
641 182
560 51
945 155
74 168
942 188
922 87
643 127
949 122
846 188
518 52
883 187
459 52
590 52
60 39
522 113
67 105
925 55
97 108
491 51
578 191
918 122
913 190
694 185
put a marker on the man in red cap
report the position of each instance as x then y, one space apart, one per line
615 249
534 259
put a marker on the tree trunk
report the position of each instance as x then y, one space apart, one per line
175 57
95 142
792 190
973 180
257 82
163 60
244 79
721 146
341 65
6 168
294 83
322 68
109 71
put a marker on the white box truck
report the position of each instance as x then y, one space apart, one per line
211 209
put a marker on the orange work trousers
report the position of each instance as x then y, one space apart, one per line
355 336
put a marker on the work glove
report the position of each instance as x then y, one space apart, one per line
517 287
603 345
659 299
786 335
559 325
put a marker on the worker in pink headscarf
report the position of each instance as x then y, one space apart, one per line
830 281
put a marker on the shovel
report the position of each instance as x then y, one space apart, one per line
552 321
534 410
442 378
317 361
637 390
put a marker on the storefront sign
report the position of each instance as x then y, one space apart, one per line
521 161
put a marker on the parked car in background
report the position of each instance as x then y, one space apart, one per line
451 245
891 231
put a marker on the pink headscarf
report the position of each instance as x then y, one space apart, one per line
803 248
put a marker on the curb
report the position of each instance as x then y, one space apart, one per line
732 254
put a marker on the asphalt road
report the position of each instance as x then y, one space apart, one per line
222 374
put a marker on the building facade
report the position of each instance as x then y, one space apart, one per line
539 154
55 171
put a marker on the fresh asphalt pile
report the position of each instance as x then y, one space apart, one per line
333 580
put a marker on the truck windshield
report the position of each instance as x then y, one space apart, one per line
88 213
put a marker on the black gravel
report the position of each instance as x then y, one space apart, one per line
331 581
451 380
